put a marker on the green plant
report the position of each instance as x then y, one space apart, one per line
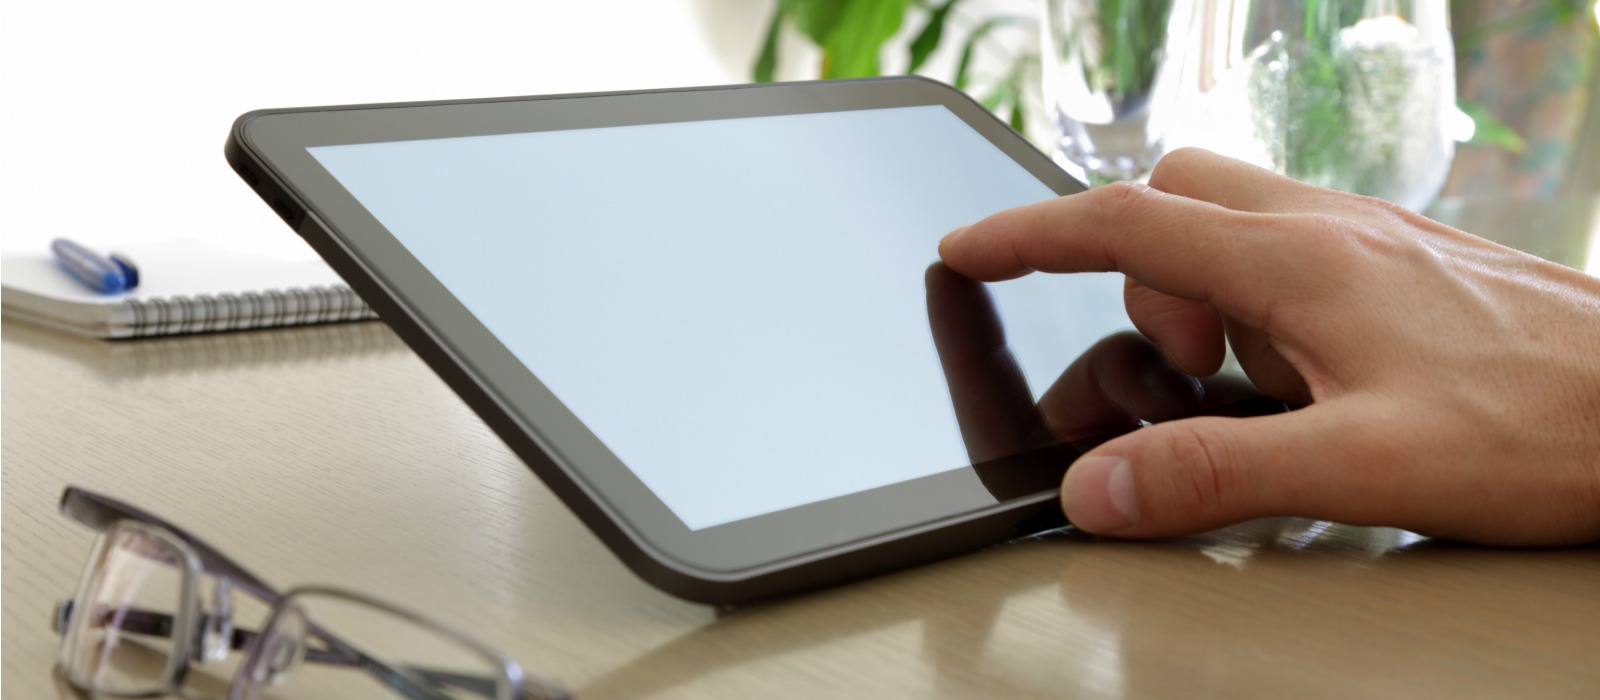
1331 103
851 35
1125 50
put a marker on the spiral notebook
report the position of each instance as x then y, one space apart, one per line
185 287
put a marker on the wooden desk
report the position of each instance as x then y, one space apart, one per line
333 455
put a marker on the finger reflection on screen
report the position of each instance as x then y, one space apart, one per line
1121 382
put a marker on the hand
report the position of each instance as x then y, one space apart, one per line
1453 384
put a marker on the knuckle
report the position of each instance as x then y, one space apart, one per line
1198 488
1384 210
1180 166
1343 244
1119 200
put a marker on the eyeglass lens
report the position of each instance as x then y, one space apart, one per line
323 645
120 638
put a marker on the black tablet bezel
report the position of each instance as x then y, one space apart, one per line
734 561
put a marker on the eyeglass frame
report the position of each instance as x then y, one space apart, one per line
103 513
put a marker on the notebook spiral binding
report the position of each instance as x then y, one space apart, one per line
225 312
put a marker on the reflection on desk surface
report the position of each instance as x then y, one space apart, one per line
1256 610
211 352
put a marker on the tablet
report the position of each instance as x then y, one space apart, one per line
711 319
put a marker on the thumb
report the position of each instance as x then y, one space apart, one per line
1202 473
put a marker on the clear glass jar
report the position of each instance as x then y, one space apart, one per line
1354 95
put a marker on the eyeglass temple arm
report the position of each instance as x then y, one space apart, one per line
158 624
399 679
99 512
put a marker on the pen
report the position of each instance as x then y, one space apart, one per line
107 275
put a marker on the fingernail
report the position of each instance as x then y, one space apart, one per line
953 234
1099 495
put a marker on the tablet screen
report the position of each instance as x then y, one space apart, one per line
736 308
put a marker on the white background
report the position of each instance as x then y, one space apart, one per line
113 113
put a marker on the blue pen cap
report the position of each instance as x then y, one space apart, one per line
130 274
112 281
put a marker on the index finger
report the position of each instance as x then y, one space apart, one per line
1175 245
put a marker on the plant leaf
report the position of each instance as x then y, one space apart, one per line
767 63
928 39
964 65
1489 131
852 48
1018 120
997 99
817 19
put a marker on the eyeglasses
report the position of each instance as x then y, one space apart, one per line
137 627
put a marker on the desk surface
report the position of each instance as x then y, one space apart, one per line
333 455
